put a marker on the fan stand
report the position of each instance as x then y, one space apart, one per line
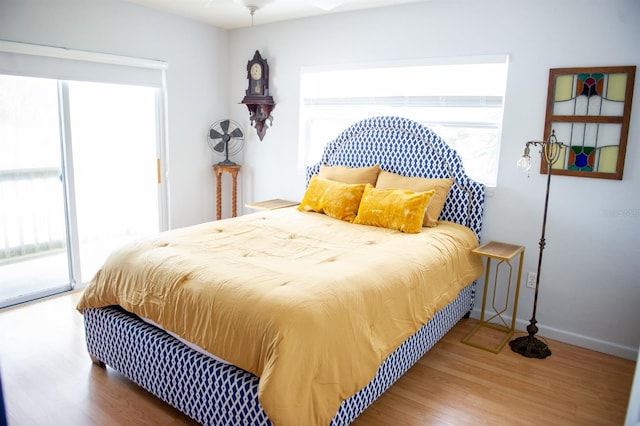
226 161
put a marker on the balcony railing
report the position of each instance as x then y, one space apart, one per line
32 220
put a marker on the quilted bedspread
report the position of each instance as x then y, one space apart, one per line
310 304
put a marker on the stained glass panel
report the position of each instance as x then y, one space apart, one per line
589 109
591 147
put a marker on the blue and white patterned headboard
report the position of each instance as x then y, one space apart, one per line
408 148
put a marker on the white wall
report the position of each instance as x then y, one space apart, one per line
590 289
196 77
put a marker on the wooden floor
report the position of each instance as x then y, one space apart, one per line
49 380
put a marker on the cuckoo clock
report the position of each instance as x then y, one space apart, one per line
257 98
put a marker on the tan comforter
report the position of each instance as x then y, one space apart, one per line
310 304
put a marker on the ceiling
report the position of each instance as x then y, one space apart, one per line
231 14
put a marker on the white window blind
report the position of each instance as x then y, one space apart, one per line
66 64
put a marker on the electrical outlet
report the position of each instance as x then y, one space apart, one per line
531 279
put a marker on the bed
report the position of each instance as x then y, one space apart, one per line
327 325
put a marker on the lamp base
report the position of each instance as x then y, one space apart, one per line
530 346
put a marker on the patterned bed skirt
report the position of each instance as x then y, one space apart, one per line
214 393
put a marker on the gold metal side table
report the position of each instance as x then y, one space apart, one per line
503 253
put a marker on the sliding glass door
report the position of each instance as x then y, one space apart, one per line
113 140
33 231
78 177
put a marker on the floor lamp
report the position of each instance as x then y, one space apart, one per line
529 345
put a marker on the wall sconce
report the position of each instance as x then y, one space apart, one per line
529 345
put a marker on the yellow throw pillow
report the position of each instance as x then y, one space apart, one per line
336 199
346 174
397 209
417 184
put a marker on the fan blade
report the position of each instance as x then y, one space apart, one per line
214 134
237 133
225 126
219 147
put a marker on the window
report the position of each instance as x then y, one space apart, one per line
461 100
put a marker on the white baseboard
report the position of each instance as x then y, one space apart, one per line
587 342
